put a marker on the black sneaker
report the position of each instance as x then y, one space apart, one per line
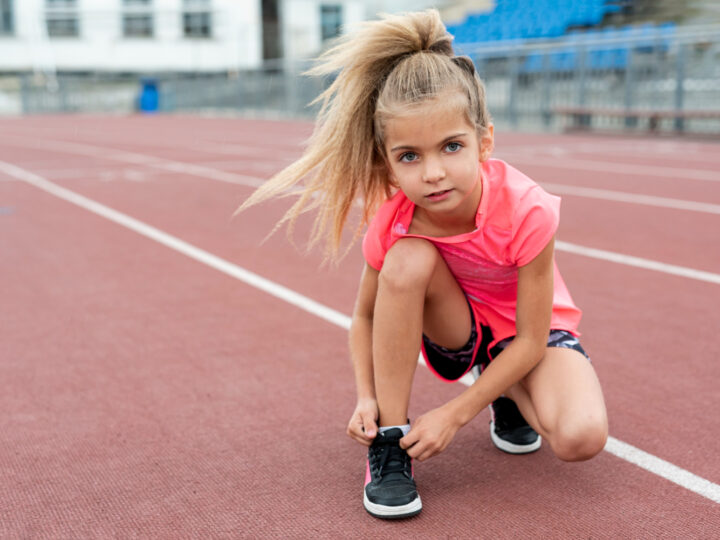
390 491
508 429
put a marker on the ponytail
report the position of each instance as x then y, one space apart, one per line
379 75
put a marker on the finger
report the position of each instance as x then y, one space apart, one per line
357 433
413 444
410 439
416 449
354 430
369 425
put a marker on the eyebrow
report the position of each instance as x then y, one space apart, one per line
446 139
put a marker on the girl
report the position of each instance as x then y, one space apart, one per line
459 255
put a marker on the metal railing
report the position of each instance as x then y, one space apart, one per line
528 84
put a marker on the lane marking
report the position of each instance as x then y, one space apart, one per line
185 248
663 468
240 179
670 151
634 198
638 262
626 169
146 160
253 181
623 450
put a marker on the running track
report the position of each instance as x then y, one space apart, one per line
147 393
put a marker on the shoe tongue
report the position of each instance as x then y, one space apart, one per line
393 434
395 463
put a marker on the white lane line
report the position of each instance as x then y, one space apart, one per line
185 248
638 262
634 198
254 181
145 160
234 149
622 450
623 169
671 472
666 151
207 172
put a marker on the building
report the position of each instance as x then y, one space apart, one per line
160 36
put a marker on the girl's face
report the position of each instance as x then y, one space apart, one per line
434 156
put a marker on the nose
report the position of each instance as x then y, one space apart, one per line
433 170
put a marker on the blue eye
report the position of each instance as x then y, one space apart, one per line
408 157
453 146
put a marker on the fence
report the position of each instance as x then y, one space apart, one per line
598 83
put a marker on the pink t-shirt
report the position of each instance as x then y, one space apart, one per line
515 220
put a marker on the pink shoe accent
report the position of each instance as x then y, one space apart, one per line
367 473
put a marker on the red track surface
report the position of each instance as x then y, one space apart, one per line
146 394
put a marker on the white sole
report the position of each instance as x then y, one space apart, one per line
511 448
392 512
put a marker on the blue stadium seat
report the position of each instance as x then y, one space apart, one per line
542 19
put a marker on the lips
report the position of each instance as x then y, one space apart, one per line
438 195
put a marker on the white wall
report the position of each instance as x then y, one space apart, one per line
302 35
236 41
450 10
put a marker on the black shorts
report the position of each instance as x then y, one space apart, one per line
450 365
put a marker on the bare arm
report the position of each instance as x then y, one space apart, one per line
363 423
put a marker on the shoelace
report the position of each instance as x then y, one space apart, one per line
388 457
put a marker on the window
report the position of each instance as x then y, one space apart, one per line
6 18
197 19
330 21
62 19
138 19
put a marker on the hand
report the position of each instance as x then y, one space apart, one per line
363 422
430 434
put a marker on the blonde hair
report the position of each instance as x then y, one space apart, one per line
384 67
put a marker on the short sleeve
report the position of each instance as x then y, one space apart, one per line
373 245
379 238
534 223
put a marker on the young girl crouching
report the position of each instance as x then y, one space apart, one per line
459 260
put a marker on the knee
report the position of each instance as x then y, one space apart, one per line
580 441
409 265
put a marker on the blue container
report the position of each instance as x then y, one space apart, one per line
149 99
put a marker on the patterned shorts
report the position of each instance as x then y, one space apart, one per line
452 364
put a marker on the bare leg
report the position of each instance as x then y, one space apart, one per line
416 293
562 400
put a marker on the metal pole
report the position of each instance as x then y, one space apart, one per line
545 103
512 98
630 121
585 119
680 85
25 93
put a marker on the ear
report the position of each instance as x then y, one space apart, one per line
486 140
